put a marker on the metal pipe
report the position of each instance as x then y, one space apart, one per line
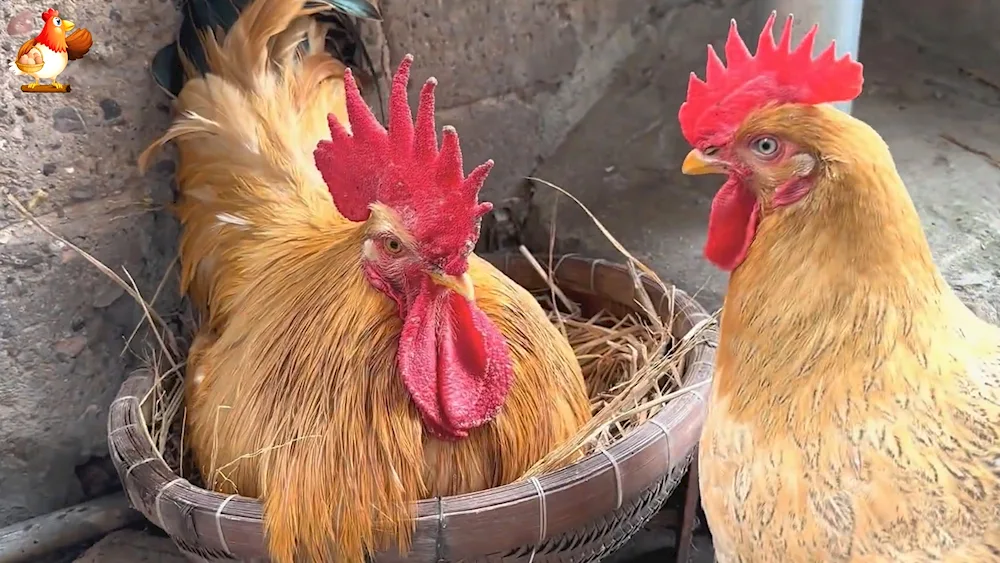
838 20
31 539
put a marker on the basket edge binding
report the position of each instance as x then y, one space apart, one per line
230 527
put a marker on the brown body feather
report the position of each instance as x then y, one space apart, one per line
856 410
292 390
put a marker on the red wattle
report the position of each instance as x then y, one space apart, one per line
732 224
454 363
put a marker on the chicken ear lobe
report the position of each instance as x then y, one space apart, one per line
454 363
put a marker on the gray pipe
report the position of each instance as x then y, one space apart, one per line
32 539
838 20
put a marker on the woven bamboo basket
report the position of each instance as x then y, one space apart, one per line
580 513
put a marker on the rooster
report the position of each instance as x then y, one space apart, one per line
855 414
52 48
354 356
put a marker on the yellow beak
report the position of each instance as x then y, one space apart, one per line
461 285
696 163
67 25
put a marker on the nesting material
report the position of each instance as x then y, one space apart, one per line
632 365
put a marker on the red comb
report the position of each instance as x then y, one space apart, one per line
49 14
776 73
403 169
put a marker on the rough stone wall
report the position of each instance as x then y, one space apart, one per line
71 158
516 76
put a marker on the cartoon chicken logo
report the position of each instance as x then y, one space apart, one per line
46 56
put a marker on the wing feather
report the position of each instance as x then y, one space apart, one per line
78 44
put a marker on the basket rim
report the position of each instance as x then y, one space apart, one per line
28 68
678 423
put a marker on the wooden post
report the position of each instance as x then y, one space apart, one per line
691 498
45 89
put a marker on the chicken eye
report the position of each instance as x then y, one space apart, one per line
709 151
765 147
392 245
56 22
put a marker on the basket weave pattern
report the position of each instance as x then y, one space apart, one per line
580 513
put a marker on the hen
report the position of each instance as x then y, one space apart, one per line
354 355
52 48
855 410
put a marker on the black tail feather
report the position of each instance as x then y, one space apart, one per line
343 40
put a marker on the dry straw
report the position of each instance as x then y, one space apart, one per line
632 363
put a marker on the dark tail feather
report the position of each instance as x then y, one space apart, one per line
344 39
355 8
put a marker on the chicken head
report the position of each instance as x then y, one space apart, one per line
422 218
744 120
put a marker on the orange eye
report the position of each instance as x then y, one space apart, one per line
392 245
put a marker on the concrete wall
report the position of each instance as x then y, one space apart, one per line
581 92
63 324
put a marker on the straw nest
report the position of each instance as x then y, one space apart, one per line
632 363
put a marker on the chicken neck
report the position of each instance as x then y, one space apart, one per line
829 292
